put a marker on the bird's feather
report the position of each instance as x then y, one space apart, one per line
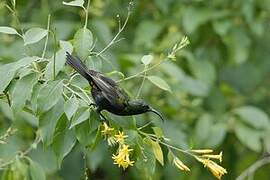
107 86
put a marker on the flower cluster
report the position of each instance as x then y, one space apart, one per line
206 159
122 157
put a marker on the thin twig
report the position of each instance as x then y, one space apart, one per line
141 86
121 28
54 53
22 154
82 92
251 169
86 14
76 93
145 70
47 37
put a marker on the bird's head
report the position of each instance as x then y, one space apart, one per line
140 106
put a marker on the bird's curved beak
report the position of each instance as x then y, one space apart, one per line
157 113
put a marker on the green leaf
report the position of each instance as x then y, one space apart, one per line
202 128
8 30
203 70
238 43
146 161
81 115
49 95
74 3
66 46
6 110
34 35
158 132
8 71
83 41
194 86
253 116
199 16
85 133
159 83
249 137
64 140
221 27
216 135
147 32
147 59
36 171
23 91
36 89
27 117
60 60
71 107
157 152
48 121
95 157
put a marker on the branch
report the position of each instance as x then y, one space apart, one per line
121 28
253 168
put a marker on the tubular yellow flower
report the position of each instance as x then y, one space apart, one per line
214 156
120 137
106 129
122 158
202 151
178 163
215 169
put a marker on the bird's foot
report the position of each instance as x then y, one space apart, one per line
102 118
93 105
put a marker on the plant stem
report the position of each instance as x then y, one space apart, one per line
140 89
145 70
86 14
47 37
116 36
250 170
54 53
76 93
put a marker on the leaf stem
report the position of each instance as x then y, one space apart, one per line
47 37
140 89
145 70
54 53
121 28
86 14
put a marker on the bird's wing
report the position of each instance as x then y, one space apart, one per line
110 90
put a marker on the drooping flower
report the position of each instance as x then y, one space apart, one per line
122 158
217 170
106 130
178 163
120 137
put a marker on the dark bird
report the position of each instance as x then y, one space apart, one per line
107 94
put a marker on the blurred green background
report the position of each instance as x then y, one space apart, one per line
220 83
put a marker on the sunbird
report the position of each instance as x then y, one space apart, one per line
107 94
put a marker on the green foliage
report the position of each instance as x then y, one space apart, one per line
213 94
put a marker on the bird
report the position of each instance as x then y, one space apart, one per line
107 94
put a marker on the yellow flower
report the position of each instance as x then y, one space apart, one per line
122 158
215 169
106 129
202 151
178 163
120 137
214 156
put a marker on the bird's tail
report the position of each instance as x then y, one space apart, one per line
78 65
